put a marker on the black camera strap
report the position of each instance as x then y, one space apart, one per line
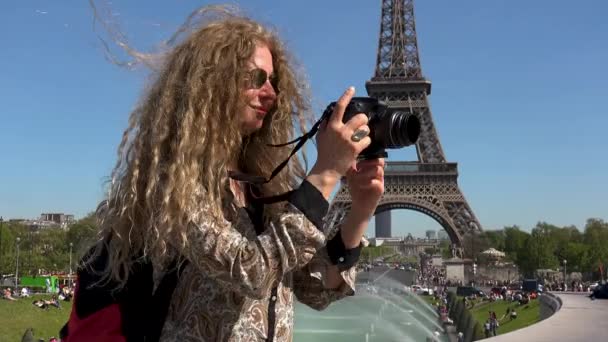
258 180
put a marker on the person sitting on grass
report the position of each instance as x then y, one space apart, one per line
8 294
40 304
54 302
513 314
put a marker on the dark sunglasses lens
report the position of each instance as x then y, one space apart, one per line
258 77
274 81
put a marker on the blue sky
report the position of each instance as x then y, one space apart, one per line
519 92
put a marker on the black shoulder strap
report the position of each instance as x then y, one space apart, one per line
255 209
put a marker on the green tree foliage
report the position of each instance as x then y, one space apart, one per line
474 244
44 250
547 246
495 238
370 253
82 234
596 239
445 248
515 241
539 252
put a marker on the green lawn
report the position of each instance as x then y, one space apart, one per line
526 315
17 316
429 299
21 314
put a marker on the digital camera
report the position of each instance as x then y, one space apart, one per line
389 129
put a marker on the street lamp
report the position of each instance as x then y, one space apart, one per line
70 275
17 264
565 275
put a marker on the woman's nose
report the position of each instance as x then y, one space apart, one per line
268 91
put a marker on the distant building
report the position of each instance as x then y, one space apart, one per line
58 218
431 234
408 246
443 235
61 219
383 224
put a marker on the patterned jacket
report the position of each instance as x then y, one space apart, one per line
240 282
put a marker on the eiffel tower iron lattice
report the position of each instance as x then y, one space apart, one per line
428 185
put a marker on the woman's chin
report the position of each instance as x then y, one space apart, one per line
252 127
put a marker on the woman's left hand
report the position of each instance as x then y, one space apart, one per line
366 185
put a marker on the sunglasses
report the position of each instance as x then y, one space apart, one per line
257 78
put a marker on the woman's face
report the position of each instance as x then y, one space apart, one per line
260 95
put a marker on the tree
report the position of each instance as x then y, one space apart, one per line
46 249
446 249
474 244
495 238
370 253
596 239
540 248
10 232
576 254
82 235
515 241
563 237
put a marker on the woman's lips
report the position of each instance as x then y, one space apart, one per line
260 111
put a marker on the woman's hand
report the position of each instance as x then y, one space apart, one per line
366 185
336 150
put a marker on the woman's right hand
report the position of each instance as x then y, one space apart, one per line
336 151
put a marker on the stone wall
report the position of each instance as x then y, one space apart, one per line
497 272
549 304
455 272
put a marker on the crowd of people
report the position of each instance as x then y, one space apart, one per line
575 286
14 294
40 301
64 293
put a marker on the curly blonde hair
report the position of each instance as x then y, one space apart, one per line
173 156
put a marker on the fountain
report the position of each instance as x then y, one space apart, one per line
381 311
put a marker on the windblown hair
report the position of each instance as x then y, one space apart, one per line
173 156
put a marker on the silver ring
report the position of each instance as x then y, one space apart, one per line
358 135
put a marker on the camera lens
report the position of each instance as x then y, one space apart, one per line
404 130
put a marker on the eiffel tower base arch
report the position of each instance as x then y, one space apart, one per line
434 193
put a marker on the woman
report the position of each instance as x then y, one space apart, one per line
224 94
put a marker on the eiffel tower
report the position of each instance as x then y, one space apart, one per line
428 185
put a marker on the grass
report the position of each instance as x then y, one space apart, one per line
429 299
19 315
527 314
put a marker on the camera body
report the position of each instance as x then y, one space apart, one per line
389 129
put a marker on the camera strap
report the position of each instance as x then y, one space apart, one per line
258 180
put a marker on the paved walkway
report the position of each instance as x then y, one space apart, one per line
579 319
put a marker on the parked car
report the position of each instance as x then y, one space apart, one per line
600 291
531 285
467 291
419 290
